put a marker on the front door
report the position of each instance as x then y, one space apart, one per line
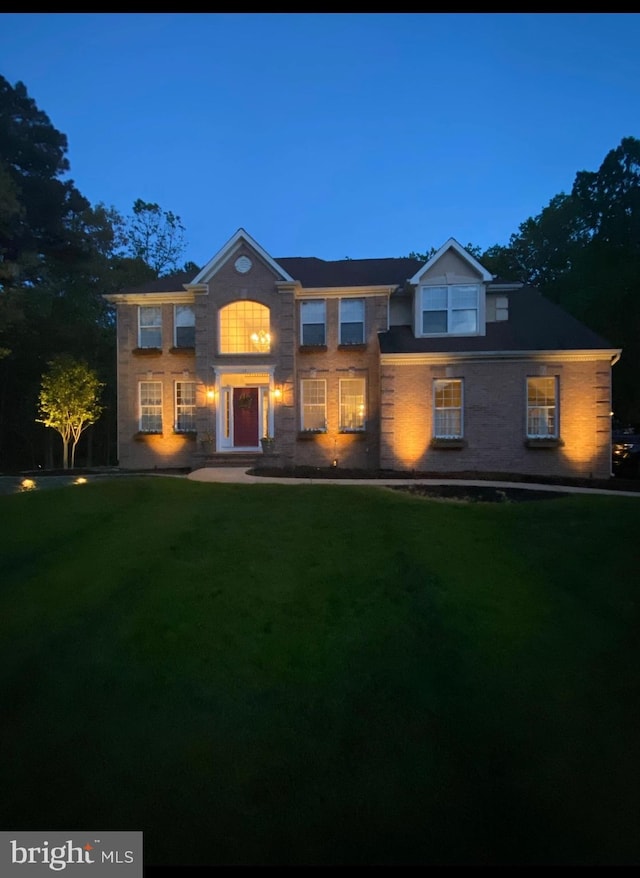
245 417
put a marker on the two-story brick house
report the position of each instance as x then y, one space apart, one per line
371 364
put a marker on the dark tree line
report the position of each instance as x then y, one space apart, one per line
59 255
583 252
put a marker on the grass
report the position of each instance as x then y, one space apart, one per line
277 674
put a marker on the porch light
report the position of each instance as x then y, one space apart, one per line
211 393
277 393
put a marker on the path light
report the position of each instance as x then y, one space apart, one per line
80 481
27 485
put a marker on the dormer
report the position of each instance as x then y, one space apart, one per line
450 294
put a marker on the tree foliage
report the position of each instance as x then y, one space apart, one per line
69 402
155 236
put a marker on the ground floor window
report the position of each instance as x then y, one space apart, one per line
151 406
352 404
185 407
314 404
542 407
447 409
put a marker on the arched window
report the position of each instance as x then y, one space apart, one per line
245 328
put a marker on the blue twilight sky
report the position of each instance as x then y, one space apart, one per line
332 135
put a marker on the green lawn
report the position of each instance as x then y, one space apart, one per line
322 674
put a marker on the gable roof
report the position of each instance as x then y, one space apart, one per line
535 324
225 252
452 244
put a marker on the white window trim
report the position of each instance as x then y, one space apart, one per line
303 429
364 397
480 310
341 321
140 427
451 408
175 321
245 353
307 323
148 326
175 404
556 408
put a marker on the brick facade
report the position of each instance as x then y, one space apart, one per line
399 405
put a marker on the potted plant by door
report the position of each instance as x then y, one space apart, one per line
268 444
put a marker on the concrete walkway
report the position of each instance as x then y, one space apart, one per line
238 475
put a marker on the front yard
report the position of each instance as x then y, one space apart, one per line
273 674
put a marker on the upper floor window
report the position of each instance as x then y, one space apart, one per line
447 408
351 321
245 328
313 322
542 405
184 326
352 404
185 407
449 309
150 326
151 407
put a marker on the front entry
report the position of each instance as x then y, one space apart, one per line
245 417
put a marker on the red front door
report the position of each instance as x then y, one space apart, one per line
245 417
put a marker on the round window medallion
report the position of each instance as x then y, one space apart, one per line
243 264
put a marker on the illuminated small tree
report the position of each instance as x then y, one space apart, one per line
69 402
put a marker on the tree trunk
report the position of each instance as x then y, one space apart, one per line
65 454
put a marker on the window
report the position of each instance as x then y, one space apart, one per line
185 421
452 309
447 409
352 405
184 326
313 321
351 321
314 404
542 396
245 328
151 407
149 326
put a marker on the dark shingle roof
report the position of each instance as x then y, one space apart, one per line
313 272
534 324
172 283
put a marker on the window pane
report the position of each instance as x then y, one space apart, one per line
541 408
464 321
151 406
313 322
150 326
185 321
434 298
352 310
464 296
352 405
351 321
313 404
434 321
245 328
313 333
447 402
185 406
313 312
